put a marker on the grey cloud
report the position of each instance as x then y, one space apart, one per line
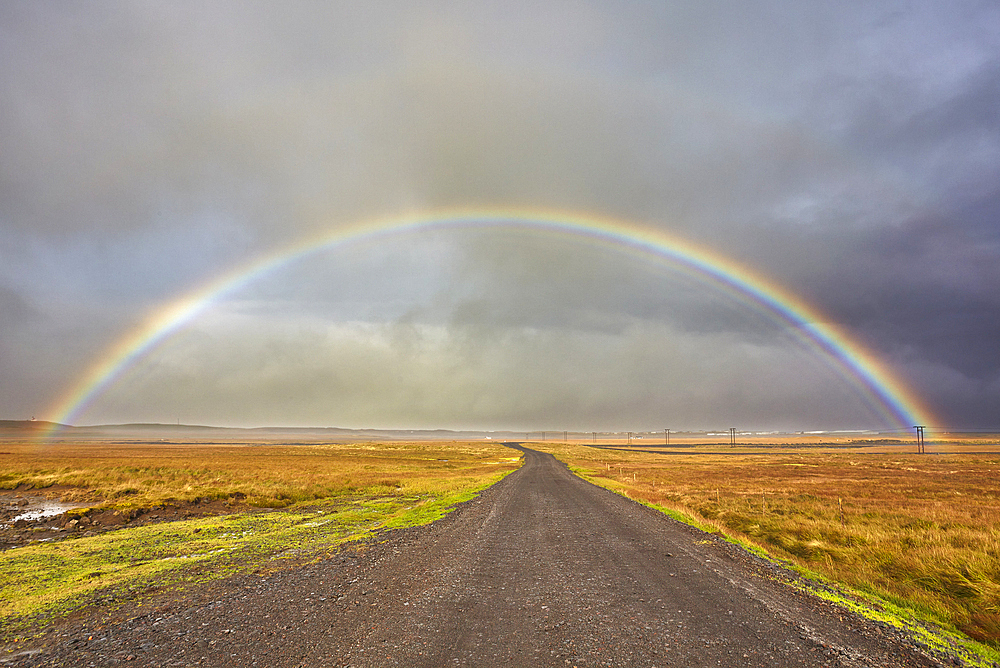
399 375
849 151
15 309
139 116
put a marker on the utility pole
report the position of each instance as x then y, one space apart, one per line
630 438
667 434
920 438
595 436
732 436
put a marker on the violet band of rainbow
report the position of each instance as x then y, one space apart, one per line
875 382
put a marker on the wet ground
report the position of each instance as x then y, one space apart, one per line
28 516
22 510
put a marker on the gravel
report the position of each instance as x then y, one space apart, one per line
542 569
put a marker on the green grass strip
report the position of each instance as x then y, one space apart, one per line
44 581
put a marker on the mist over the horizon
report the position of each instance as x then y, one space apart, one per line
850 152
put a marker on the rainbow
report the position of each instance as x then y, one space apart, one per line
876 384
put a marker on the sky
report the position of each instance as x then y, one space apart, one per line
848 152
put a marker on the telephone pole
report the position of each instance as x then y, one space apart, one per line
732 436
920 438
666 432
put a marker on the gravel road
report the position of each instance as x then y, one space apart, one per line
542 569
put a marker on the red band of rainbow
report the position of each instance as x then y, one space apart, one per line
877 385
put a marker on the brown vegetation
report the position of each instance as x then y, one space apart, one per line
921 530
264 474
155 516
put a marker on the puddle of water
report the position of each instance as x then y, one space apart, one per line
43 510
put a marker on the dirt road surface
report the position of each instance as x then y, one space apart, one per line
542 569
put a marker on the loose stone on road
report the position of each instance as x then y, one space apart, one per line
542 569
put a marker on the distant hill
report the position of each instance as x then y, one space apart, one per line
29 426
161 431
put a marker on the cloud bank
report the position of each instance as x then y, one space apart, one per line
851 153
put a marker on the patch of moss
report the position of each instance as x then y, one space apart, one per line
45 581
904 618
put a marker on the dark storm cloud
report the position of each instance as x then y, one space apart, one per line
924 291
849 151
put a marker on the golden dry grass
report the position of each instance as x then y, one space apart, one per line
922 530
267 474
334 493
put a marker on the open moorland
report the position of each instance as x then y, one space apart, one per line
918 530
541 569
102 523
145 533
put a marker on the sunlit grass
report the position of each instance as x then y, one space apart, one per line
265 475
920 531
312 499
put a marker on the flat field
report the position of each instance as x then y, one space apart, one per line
918 530
232 507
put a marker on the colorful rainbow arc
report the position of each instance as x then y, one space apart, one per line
876 384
